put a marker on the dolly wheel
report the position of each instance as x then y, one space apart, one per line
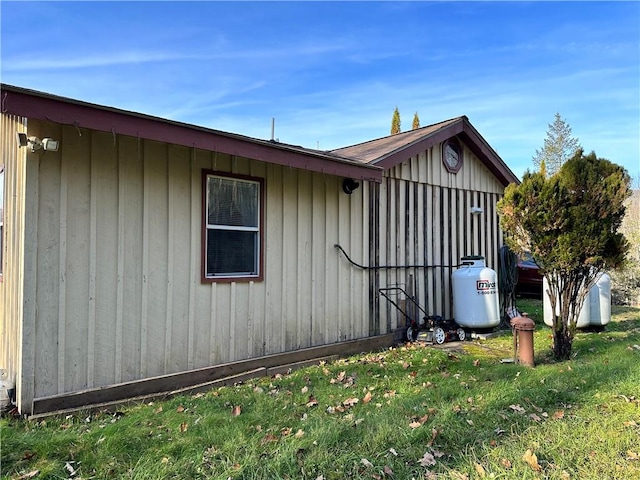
439 336
410 334
462 335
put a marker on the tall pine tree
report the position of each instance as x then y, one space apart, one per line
416 121
559 146
395 122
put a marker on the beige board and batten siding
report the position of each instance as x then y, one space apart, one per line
115 227
425 219
13 272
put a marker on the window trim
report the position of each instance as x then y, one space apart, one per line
261 199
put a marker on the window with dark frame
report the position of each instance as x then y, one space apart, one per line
232 239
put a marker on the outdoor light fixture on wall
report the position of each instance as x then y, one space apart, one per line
476 210
46 144
349 185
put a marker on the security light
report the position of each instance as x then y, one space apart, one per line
50 145
349 185
46 144
22 139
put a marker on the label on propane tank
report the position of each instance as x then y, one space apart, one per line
485 287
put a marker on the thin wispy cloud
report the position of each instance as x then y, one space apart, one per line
332 73
108 60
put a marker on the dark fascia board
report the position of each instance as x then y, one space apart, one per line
43 106
481 149
472 139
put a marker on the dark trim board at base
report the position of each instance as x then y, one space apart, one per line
204 378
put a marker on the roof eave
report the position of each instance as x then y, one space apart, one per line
407 151
37 105
487 155
469 135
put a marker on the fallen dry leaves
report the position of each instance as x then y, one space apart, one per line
480 470
418 421
268 438
31 474
366 463
532 460
350 402
427 460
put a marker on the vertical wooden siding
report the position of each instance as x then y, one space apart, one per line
118 241
13 273
425 219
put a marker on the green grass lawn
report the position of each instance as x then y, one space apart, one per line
412 411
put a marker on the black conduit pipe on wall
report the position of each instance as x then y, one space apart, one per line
383 267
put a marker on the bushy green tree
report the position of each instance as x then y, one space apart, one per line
416 121
558 147
569 222
395 122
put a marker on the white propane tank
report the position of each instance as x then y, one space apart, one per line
596 310
475 294
7 385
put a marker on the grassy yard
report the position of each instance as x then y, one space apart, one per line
413 411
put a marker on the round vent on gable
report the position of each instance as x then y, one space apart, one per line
452 155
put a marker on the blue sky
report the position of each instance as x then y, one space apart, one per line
331 73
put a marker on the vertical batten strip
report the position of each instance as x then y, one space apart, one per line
250 337
340 283
21 355
354 274
213 346
232 322
465 229
144 317
391 225
313 245
483 225
169 286
283 263
364 323
120 264
193 257
454 214
426 273
370 249
297 343
326 299
417 242
62 292
446 249
437 248
93 239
